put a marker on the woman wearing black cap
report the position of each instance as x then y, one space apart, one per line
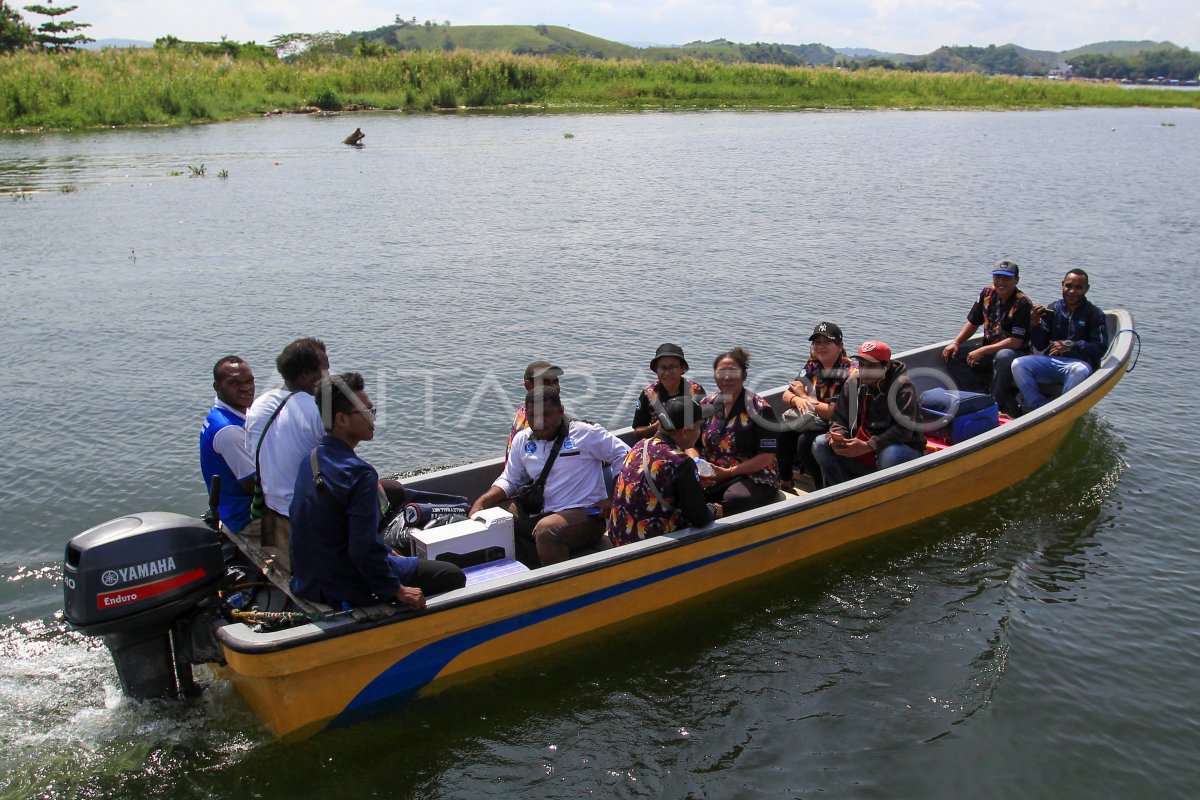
809 401
669 365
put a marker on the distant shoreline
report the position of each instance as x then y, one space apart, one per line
132 88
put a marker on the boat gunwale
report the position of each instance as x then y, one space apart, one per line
239 638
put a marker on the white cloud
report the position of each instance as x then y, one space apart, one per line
914 26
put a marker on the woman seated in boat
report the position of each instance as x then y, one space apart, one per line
739 440
670 366
657 490
809 400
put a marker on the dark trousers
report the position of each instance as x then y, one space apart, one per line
796 449
741 494
992 374
435 577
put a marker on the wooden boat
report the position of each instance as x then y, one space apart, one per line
329 673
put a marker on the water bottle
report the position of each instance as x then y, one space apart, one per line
703 468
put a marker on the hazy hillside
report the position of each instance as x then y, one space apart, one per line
1009 59
1117 48
531 39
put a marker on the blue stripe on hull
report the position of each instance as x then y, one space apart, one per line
401 681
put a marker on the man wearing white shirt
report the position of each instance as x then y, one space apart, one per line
223 451
292 424
576 499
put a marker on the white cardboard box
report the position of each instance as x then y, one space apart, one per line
491 527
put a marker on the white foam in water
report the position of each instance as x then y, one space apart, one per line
65 715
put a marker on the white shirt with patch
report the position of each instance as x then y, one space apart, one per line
577 477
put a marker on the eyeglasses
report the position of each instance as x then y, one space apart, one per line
728 373
366 411
668 368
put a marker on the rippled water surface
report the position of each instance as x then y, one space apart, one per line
1041 643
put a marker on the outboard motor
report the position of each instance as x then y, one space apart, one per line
134 582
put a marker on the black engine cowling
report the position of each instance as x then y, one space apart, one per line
133 581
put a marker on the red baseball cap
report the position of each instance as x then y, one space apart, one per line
874 350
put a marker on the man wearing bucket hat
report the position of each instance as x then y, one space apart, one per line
809 401
1005 312
669 365
657 490
538 373
875 419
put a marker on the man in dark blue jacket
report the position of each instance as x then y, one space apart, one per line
1069 339
337 553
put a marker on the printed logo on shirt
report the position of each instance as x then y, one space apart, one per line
1018 331
766 443
531 447
568 443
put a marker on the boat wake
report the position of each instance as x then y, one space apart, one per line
70 731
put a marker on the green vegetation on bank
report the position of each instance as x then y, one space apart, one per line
163 85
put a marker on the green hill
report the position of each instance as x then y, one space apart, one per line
546 40
1116 49
549 40
539 40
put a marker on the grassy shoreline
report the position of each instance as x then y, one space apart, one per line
156 87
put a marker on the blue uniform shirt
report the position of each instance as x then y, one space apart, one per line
234 502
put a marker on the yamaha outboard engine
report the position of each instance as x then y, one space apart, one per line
134 582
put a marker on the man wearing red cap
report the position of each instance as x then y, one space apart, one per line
875 419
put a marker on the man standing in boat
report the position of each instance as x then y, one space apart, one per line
282 427
337 553
564 459
875 419
223 450
1004 311
1069 339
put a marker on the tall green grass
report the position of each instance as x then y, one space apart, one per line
143 87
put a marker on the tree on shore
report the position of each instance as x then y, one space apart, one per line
15 34
55 34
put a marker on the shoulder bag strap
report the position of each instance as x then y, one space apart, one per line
319 480
646 474
263 438
558 443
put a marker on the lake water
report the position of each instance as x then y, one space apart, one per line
1038 644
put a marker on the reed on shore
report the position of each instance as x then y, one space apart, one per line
84 89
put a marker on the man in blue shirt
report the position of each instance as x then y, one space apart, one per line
337 553
223 450
1069 339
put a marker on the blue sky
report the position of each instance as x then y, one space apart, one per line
908 26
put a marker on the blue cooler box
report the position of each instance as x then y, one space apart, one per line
964 414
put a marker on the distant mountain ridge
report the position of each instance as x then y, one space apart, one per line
558 40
